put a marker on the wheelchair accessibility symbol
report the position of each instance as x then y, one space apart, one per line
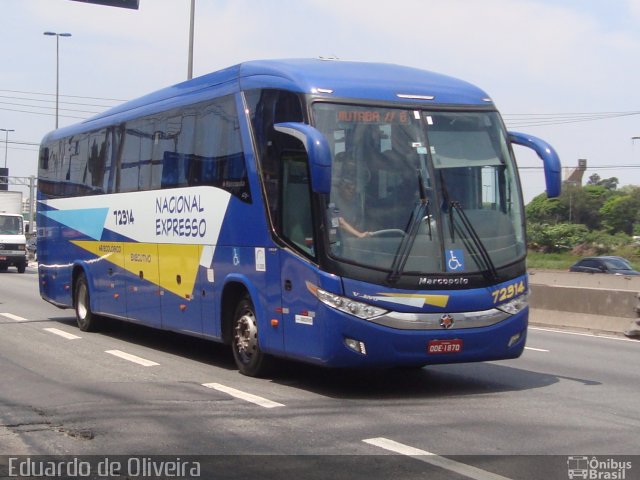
455 260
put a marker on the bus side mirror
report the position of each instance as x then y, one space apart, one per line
317 150
549 157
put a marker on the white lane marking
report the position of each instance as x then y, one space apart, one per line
63 334
132 358
263 402
11 316
536 349
566 332
433 459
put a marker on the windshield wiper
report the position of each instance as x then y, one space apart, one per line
420 213
480 250
476 247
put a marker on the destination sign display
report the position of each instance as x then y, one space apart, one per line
376 116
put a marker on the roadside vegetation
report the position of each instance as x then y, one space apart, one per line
595 219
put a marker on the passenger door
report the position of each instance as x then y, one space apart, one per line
303 330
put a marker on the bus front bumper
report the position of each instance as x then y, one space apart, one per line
351 342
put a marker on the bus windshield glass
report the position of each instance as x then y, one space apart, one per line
421 191
10 225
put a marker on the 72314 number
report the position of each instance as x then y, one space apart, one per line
123 217
508 292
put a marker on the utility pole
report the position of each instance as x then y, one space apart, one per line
6 142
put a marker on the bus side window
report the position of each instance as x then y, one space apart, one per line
218 157
97 163
171 170
44 160
297 224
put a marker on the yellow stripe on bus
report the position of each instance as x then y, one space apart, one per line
171 267
428 299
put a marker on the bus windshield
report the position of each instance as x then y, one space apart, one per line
420 191
10 225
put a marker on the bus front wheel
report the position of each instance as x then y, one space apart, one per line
251 361
86 319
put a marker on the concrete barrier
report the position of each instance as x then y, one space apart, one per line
595 302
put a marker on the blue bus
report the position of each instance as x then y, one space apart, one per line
344 214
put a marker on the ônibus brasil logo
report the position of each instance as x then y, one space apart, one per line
597 469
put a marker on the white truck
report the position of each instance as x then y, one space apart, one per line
13 243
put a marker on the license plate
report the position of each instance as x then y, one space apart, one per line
436 347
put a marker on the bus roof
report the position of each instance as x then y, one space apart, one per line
323 78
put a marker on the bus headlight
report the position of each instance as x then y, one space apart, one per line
347 305
516 305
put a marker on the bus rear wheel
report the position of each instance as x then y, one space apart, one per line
250 359
86 319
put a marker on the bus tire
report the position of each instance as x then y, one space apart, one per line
250 359
86 319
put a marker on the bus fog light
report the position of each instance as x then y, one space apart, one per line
355 345
514 339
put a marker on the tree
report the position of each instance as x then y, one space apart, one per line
608 183
593 179
598 216
574 205
555 238
586 203
545 210
620 213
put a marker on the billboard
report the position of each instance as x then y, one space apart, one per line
4 179
114 3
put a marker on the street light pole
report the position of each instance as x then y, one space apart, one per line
191 29
573 184
57 35
6 143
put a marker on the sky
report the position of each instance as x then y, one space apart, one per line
567 71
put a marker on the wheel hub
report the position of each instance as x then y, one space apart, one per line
246 335
82 302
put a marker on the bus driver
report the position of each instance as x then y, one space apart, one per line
349 206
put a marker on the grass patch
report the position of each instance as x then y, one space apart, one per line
552 261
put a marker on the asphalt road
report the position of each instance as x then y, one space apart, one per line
66 392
